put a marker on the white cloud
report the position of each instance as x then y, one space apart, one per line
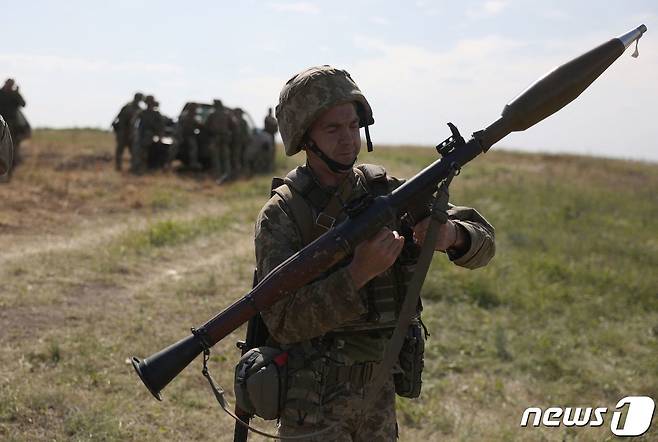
494 6
47 63
380 20
297 7
486 9
414 90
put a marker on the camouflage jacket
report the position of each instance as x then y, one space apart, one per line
325 304
126 117
151 123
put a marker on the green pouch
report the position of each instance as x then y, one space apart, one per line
408 383
260 382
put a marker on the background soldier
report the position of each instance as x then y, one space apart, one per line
218 126
149 124
335 329
239 140
270 125
189 126
6 151
123 127
10 102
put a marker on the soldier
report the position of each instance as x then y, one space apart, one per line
239 140
10 103
6 151
123 127
189 129
218 126
149 124
335 329
270 125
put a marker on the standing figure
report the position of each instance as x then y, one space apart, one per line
218 126
239 140
335 329
123 128
6 152
271 126
149 124
190 126
11 101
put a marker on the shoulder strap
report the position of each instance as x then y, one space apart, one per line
300 210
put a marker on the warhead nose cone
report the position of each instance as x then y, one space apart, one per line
628 38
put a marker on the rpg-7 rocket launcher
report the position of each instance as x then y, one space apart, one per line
543 98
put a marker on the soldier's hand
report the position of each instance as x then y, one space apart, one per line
375 256
448 236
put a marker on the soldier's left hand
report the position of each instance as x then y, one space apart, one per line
448 235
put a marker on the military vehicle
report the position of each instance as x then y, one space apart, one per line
258 156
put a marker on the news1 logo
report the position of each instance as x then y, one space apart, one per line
639 414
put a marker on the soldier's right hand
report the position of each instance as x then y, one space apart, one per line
375 256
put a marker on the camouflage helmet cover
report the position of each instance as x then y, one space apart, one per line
311 92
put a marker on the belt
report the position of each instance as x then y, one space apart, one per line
356 375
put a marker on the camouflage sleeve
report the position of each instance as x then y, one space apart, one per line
481 234
317 307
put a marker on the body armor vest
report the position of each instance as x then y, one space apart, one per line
316 210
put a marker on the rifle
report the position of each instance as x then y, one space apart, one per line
543 98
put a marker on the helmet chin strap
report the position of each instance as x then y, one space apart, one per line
335 166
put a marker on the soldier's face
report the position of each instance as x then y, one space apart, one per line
336 133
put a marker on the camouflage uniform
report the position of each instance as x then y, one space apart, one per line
239 140
189 125
149 123
332 330
218 126
123 128
10 102
321 307
270 125
6 151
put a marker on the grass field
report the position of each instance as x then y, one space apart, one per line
97 266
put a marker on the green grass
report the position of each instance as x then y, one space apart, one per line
565 315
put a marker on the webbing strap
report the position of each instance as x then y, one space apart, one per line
408 309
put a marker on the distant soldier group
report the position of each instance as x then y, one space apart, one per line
212 137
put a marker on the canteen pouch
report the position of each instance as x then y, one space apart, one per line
411 360
260 382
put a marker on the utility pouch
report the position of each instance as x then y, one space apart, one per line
260 382
411 359
306 384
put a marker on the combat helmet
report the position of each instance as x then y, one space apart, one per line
311 92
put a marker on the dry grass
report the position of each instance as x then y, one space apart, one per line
97 266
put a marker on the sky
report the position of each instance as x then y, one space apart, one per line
419 63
